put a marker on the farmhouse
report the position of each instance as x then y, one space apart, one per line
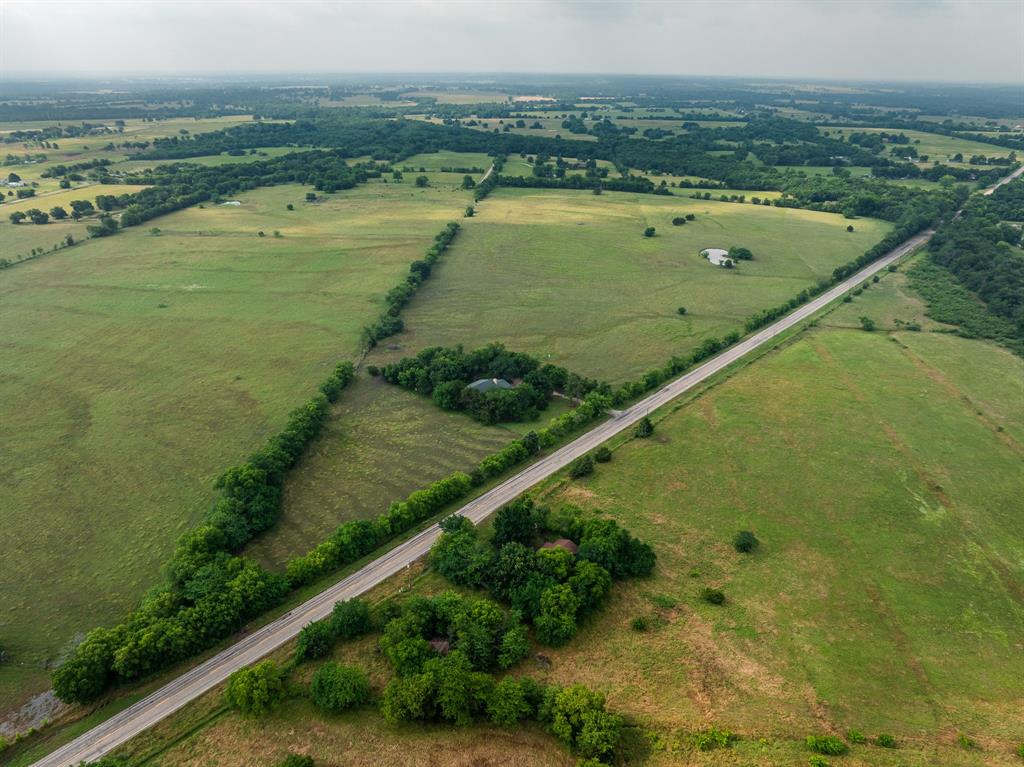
488 384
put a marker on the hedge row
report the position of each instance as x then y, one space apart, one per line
211 593
488 185
390 322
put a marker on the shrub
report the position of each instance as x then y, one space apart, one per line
745 542
255 690
829 745
856 736
681 311
678 221
816 760
885 741
649 231
336 688
351 619
849 228
1020 750
640 623
713 596
296 760
690 217
315 641
581 467
867 324
740 254
644 428
966 742
708 740
602 454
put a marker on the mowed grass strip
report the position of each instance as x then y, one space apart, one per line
570 277
137 367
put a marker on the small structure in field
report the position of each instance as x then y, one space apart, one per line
234 203
718 256
561 543
489 384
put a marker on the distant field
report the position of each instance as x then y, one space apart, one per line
136 368
938 148
17 240
569 276
87 148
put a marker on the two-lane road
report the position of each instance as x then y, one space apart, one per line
190 685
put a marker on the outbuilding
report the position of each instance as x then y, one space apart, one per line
561 543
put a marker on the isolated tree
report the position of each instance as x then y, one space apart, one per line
256 690
681 311
644 428
290 206
13 178
17 217
37 216
649 231
470 211
310 196
740 254
745 542
849 228
468 182
58 213
422 181
867 324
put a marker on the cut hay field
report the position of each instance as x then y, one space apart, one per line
137 367
884 597
569 276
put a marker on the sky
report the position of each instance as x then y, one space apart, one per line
824 39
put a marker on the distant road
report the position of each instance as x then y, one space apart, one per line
121 727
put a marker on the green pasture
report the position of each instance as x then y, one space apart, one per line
570 277
137 367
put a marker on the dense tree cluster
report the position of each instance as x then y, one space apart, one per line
982 250
445 374
552 588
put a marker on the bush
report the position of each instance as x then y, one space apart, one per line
856 736
255 690
315 641
816 760
640 623
351 619
649 231
745 542
885 741
713 596
336 688
1020 750
602 454
867 324
708 740
681 311
966 742
581 467
296 760
644 428
678 221
740 254
829 745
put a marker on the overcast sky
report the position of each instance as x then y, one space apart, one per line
971 40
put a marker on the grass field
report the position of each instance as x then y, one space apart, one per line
382 443
87 148
136 368
18 240
938 148
885 595
569 276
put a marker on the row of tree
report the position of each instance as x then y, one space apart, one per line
210 592
390 322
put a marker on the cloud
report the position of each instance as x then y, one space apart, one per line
979 40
